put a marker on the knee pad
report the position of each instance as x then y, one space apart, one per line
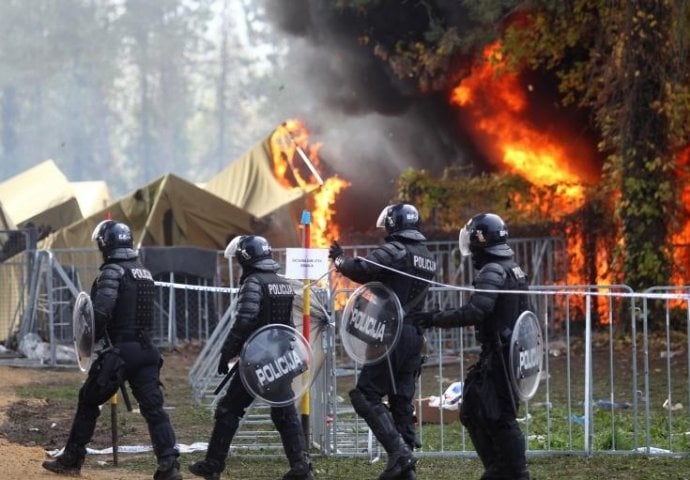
95 393
227 412
150 398
285 418
401 408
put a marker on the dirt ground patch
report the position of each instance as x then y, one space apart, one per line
37 404
31 427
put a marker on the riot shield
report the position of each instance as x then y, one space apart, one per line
275 364
83 330
526 355
371 323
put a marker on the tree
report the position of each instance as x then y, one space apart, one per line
160 40
56 67
625 62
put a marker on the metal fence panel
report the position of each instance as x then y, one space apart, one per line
615 377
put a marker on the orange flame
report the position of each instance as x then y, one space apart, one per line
285 142
325 228
496 102
681 238
291 154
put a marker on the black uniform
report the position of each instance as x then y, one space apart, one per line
264 298
405 252
489 405
123 301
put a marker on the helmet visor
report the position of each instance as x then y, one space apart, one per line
232 247
464 242
97 231
381 221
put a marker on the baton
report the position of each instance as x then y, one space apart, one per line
506 375
125 396
113 424
227 378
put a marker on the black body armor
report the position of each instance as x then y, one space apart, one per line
123 298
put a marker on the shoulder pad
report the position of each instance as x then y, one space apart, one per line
251 284
112 270
394 249
492 274
493 267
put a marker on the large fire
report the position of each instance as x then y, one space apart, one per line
296 161
495 104
495 100
681 238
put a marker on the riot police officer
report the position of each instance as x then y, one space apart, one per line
123 300
263 298
489 404
404 251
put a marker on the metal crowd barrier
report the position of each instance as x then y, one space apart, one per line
615 378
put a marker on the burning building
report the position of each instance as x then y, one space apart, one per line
378 114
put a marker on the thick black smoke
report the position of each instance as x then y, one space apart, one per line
372 124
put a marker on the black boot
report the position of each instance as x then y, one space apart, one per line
224 430
410 474
380 421
288 424
207 469
68 463
512 463
168 469
300 470
400 458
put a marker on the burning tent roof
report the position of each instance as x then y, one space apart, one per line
277 179
251 184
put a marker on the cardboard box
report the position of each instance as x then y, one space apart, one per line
432 415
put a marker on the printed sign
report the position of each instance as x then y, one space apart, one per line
306 263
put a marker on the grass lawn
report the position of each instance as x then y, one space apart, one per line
45 406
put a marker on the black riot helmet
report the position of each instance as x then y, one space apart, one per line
402 220
251 250
114 240
485 234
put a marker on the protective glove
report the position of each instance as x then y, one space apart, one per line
423 319
231 348
336 253
223 367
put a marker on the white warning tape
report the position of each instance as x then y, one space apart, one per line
584 290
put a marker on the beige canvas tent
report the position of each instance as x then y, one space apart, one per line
41 195
168 211
250 184
6 222
92 196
